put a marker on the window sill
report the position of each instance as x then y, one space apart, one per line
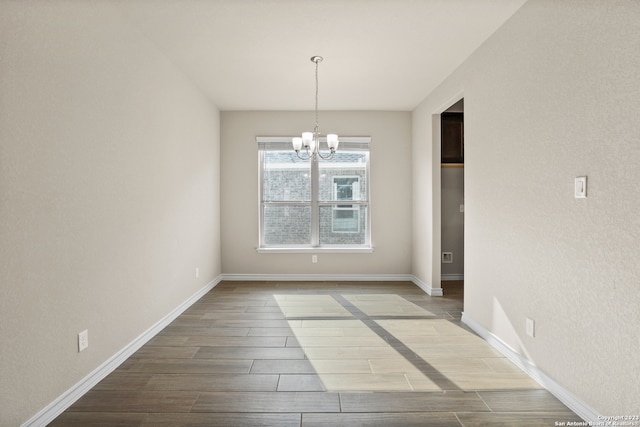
326 250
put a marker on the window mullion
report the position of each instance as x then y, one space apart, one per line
261 200
315 207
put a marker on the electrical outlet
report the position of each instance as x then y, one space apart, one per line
314 258
83 340
197 272
531 327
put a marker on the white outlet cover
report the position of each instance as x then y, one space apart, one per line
83 340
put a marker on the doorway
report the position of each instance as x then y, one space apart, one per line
452 199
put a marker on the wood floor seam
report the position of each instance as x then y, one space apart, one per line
483 401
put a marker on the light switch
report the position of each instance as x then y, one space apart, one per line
581 187
530 327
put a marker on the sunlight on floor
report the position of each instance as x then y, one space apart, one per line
349 356
310 306
386 305
415 352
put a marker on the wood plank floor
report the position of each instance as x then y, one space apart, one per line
318 354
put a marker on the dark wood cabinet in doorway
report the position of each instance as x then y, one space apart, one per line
452 137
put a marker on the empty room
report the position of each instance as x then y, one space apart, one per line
322 212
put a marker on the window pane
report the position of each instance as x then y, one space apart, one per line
287 225
344 176
286 177
343 225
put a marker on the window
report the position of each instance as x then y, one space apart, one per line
346 218
302 202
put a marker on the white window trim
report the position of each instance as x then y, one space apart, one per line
350 143
321 249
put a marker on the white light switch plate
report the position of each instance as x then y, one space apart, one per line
531 328
581 187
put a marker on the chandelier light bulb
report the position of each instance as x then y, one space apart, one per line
307 139
297 143
332 141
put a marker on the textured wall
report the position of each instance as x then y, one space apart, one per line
109 189
390 206
552 95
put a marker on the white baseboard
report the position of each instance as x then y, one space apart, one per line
574 403
319 277
55 408
432 292
448 277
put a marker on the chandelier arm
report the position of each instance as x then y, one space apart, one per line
301 157
329 157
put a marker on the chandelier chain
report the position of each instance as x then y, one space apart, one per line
316 128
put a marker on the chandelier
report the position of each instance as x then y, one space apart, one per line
310 141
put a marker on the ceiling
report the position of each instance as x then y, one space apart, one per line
378 54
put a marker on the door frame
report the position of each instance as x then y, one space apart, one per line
436 138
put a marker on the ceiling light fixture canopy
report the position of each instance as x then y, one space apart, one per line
310 141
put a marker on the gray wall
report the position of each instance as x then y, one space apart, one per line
109 189
552 95
390 204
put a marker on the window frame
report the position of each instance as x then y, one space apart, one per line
284 143
345 207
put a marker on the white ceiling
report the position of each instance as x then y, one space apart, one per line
378 54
